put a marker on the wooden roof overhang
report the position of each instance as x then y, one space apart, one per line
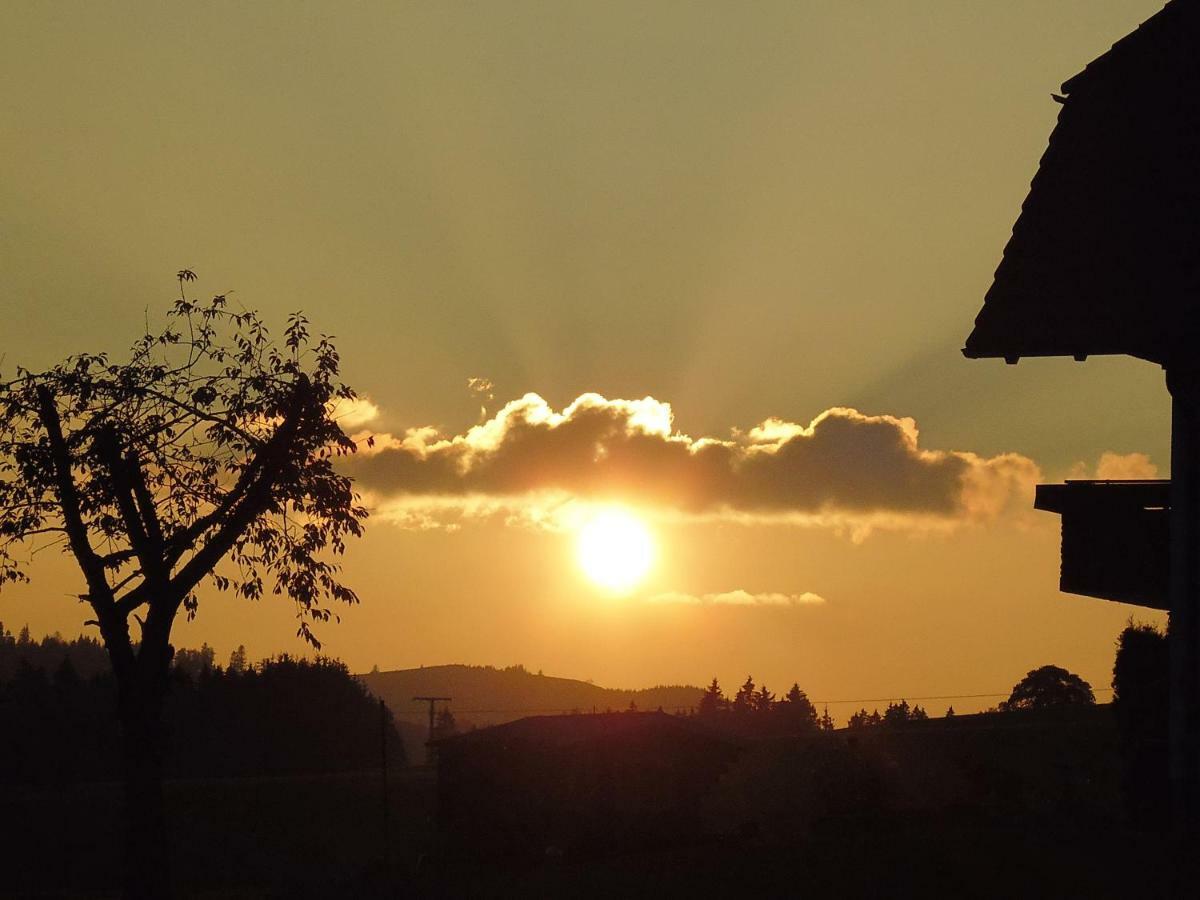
1105 255
1115 538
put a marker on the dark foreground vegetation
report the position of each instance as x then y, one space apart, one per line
281 716
1039 799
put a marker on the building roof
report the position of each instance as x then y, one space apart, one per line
1088 496
581 728
1103 258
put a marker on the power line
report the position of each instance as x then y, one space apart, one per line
892 699
936 697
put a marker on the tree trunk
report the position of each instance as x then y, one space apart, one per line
147 870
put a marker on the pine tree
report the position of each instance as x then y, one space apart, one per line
762 700
237 660
712 700
897 713
859 719
800 711
949 712
743 700
826 720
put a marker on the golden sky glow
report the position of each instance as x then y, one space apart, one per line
711 261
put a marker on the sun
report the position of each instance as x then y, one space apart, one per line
615 550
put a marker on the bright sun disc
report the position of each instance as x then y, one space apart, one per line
615 550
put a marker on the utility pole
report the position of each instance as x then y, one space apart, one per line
431 701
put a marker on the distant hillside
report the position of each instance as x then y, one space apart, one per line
484 695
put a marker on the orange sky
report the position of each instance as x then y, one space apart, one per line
751 214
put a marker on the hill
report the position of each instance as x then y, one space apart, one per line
484 695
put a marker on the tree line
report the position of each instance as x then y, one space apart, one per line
281 715
755 709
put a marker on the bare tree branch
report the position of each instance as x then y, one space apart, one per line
89 562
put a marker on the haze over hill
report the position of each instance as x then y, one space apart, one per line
485 695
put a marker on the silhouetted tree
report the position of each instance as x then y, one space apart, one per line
1141 675
762 700
743 700
193 662
797 709
444 725
949 712
826 722
1141 684
237 660
207 456
712 701
863 719
896 713
1048 686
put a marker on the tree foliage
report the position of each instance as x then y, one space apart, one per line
1048 686
743 700
757 711
1141 703
797 708
207 455
864 719
897 713
1141 674
713 700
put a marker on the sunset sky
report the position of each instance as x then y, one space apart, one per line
709 264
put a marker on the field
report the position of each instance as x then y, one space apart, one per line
249 838
987 806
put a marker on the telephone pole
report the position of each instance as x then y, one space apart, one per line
431 701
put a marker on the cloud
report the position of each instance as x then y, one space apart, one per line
481 387
1118 467
739 598
351 414
843 468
